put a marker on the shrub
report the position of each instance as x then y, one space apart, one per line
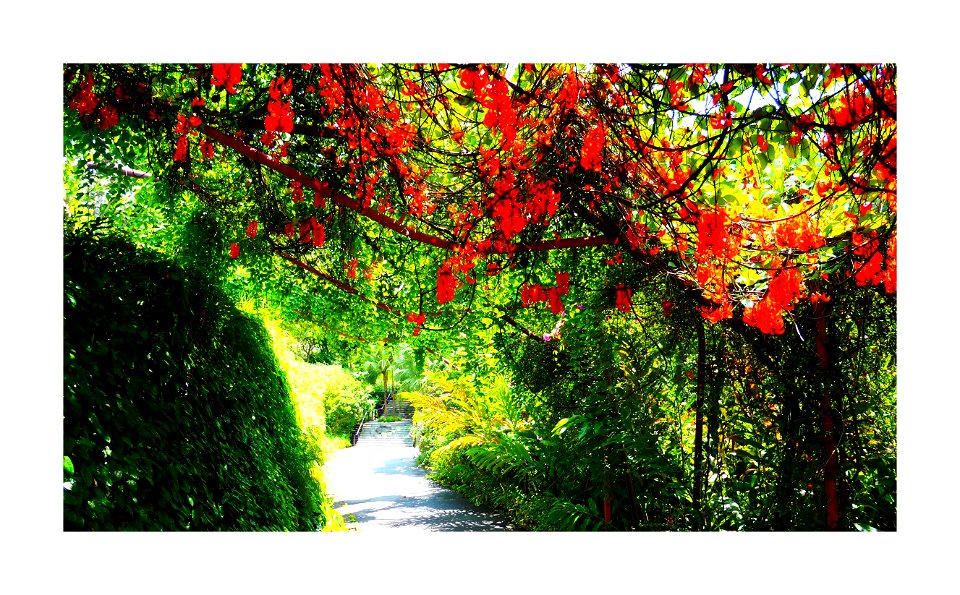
345 399
176 413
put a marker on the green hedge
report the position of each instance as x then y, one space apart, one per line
176 413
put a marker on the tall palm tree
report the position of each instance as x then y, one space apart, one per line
393 366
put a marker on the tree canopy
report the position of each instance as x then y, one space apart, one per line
648 296
424 197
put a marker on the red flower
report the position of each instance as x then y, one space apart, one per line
234 250
563 283
590 155
183 145
667 308
446 284
352 268
297 191
279 116
723 119
319 234
85 100
761 72
227 74
108 117
624 295
553 296
207 149
509 217
762 143
252 229
721 312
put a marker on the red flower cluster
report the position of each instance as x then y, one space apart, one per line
714 239
312 231
417 319
493 94
624 295
591 154
509 217
297 190
543 202
798 232
718 313
761 71
667 308
868 261
252 229
207 149
85 100
108 117
183 146
724 119
767 314
227 74
569 94
184 128
536 293
279 113
699 73
234 250
446 284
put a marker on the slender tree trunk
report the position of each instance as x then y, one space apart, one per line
698 435
830 467
606 485
386 395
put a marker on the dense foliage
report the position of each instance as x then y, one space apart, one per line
176 414
599 429
648 296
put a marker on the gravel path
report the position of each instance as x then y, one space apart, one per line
377 485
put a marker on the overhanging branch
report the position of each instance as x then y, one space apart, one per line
354 205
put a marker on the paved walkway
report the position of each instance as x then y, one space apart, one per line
377 485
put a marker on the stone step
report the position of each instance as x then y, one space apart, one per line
386 433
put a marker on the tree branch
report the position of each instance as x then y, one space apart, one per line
354 205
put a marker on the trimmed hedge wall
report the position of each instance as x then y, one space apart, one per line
177 415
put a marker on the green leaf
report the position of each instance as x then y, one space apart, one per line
67 465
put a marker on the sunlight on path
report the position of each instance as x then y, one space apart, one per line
377 485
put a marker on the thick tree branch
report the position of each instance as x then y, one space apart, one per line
354 205
339 284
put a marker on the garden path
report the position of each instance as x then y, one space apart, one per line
377 485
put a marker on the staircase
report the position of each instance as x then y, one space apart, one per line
394 433
400 408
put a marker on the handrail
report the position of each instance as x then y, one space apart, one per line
377 412
356 433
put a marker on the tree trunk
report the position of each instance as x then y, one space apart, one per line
386 395
698 435
830 467
606 486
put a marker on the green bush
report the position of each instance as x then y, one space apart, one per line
176 413
345 399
